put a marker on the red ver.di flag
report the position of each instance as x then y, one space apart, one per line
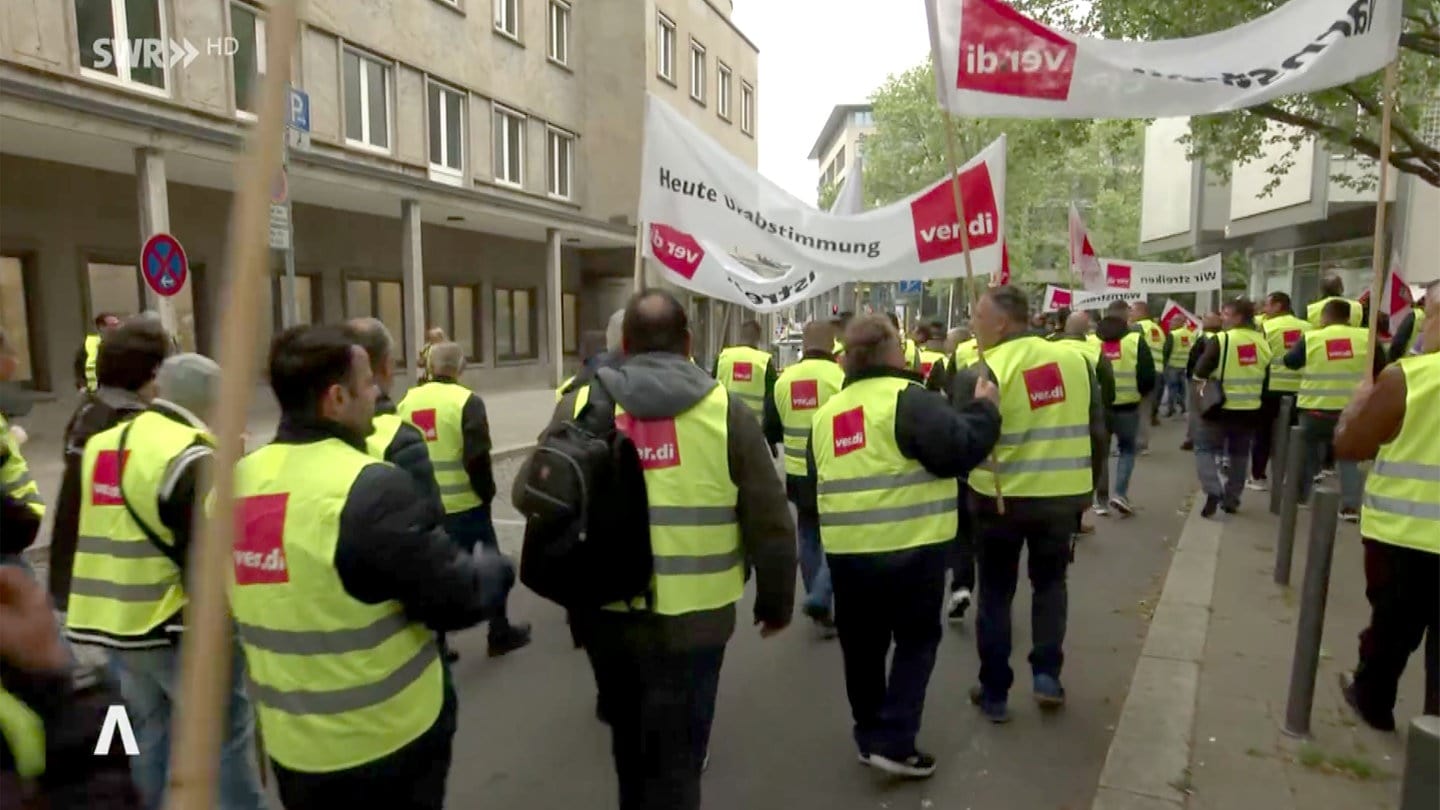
1083 261
995 62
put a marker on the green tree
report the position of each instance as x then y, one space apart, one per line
1049 163
1346 119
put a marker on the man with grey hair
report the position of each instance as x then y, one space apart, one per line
452 420
610 357
393 439
128 592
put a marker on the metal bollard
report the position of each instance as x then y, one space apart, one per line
1420 784
1289 503
1280 448
1324 515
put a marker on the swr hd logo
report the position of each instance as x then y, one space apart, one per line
676 250
1044 385
937 226
655 440
848 431
1005 53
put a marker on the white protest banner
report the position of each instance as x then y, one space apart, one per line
1163 277
1058 298
696 190
995 62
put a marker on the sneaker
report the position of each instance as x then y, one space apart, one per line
1352 699
959 602
1211 504
1144 451
1048 692
994 709
1230 506
1122 505
1187 445
1350 515
511 639
1258 484
918 765
1100 508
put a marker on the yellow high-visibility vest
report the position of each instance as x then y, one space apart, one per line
1312 312
694 529
124 588
1402 492
1247 355
1334 366
1154 338
912 354
799 393
386 426
741 370
16 482
1044 447
1124 357
24 734
928 359
564 388
1182 341
872 498
967 354
1092 351
338 682
1282 332
437 410
92 357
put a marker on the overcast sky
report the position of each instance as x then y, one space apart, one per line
815 54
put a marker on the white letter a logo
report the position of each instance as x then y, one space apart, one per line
117 718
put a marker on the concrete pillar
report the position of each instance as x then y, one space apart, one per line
555 320
154 218
412 285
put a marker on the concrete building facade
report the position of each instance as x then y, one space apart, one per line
839 144
472 164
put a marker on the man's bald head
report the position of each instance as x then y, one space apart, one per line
1078 324
817 336
655 321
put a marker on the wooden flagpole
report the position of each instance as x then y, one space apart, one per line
1377 283
205 654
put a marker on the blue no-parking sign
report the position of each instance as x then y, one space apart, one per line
163 264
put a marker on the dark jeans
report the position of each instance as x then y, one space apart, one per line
1227 437
412 778
1265 433
660 704
1000 538
468 529
814 573
882 599
1403 586
1319 431
961 552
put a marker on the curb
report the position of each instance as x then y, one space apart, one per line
1150 750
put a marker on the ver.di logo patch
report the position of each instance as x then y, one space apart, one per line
937 226
1111 349
1246 353
804 395
425 420
1339 349
676 250
1290 336
1005 53
848 431
742 372
655 440
1044 385
1117 276
259 553
105 480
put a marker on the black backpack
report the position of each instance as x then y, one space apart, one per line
587 530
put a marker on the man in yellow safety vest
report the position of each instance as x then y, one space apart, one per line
341 576
749 373
933 367
21 507
142 484
452 419
1136 381
1395 422
1177 357
394 440
1158 341
1331 361
1078 338
1237 360
886 455
1282 331
89 353
1333 288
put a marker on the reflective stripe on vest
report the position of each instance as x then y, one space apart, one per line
1044 447
928 359
16 482
123 589
386 426
741 370
1282 332
437 410
967 354
872 498
1154 338
1402 492
92 357
1312 312
1243 375
799 393
694 529
338 682
1334 366
1124 357
24 734
1182 341
564 388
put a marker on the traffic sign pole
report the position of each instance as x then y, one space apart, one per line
282 222
290 308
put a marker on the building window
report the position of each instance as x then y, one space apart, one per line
560 157
117 289
447 134
514 324
509 147
15 316
123 40
365 298
367 101
453 309
840 160
747 108
507 17
560 31
247 26
697 71
570 322
722 90
665 47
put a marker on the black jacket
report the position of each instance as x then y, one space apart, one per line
1114 328
475 455
391 545
98 411
408 452
19 525
1400 340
